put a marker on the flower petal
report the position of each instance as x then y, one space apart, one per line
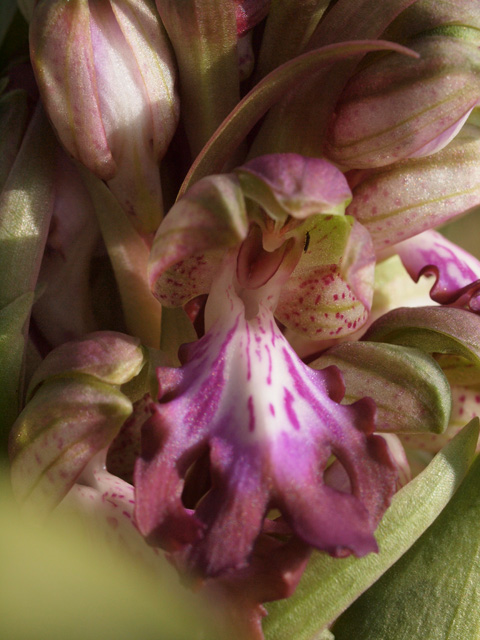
269 424
66 423
435 329
456 272
191 241
108 356
106 503
412 196
465 407
287 184
387 373
329 294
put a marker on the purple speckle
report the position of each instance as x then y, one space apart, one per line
269 375
251 414
288 400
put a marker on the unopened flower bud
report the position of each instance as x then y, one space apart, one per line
401 107
76 409
106 77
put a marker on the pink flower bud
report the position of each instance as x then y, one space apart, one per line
401 107
106 77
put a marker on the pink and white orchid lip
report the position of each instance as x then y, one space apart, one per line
270 425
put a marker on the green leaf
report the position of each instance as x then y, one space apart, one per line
431 329
330 585
432 592
13 122
264 95
410 390
25 210
128 254
13 319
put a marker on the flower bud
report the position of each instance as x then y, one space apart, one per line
108 356
75 410
399 201
113 105
430 16
66 423
249 13
401 107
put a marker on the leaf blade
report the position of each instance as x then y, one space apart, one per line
432 592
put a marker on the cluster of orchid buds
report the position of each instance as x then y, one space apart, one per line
231 333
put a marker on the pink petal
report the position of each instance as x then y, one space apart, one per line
456 272
329 294
398 202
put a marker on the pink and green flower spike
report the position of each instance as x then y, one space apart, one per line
251 194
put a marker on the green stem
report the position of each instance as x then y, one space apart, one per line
129 255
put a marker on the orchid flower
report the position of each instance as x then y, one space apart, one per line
268 417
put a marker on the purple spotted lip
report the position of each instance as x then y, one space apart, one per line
269 426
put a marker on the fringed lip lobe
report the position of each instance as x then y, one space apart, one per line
270 425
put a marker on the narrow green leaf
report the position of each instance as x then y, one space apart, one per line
13 319
431 329
433 591
291 23
13 122
25 210
330 585
128 254
264 95
410 390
